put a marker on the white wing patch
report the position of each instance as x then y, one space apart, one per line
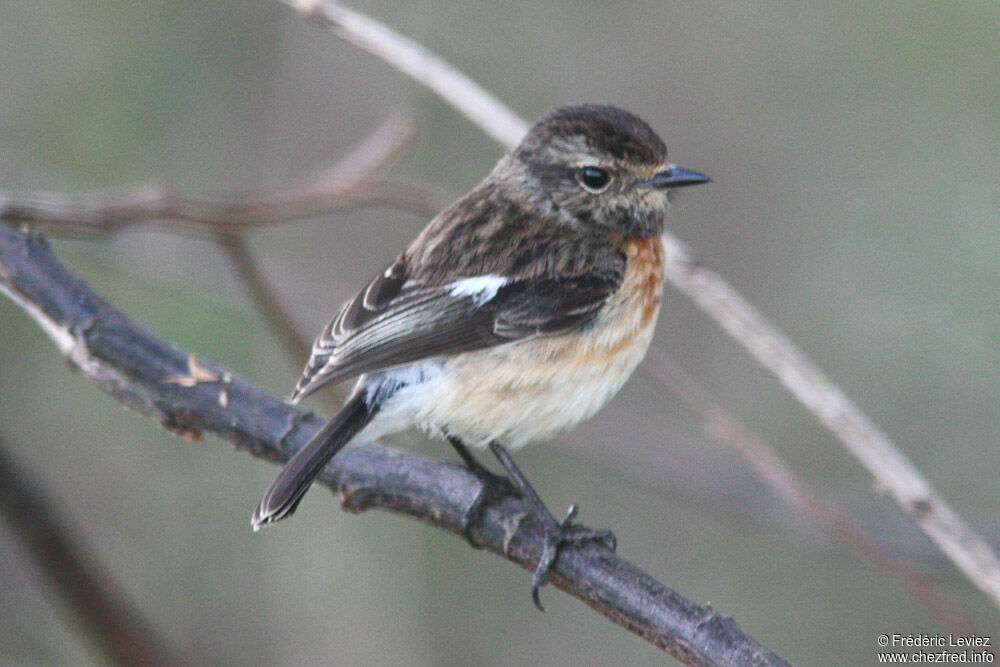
480 288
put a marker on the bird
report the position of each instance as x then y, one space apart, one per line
517 312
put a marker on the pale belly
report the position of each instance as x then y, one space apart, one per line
517 403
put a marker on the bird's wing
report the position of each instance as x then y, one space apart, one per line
395 322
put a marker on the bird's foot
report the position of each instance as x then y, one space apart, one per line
558 534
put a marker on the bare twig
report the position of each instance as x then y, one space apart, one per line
143 373
893 472
109 619
350 183
472 100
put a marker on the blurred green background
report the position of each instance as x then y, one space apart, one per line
854 150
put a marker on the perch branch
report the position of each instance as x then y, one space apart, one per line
189 396
892 471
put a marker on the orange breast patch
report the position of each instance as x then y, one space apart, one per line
644 275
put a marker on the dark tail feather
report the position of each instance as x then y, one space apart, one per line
298 474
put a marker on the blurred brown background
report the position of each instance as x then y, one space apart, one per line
854 152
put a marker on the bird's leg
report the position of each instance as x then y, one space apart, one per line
557 533
471 462
489 482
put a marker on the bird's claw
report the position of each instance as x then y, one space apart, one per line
557 535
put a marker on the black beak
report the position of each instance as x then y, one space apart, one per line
674 177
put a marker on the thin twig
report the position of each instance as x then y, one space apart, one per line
477 104
892 471
349 183
189 396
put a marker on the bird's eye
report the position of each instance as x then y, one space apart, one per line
593 179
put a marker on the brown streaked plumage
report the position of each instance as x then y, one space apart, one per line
518 311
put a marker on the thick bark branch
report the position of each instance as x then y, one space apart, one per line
190 396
